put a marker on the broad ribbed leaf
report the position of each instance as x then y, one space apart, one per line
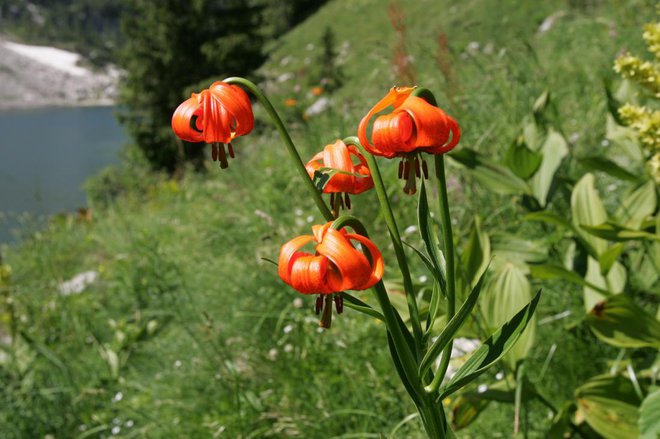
609 405
638 205
493 349
597 286
588 210
521 160
619 321
517 250
649 416
554 150
494 177
506 291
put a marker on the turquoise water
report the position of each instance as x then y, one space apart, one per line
45 157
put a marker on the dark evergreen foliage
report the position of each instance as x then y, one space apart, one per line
172 45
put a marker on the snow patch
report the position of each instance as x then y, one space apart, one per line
57 58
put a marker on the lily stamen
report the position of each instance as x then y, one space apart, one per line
222 156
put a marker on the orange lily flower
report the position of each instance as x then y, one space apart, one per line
352 178
215 115
335 266
413 126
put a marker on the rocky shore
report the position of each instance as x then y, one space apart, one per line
37 76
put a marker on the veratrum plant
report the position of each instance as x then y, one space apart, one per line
339 255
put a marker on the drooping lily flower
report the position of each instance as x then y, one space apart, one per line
215 115
350 178
414 126
335 266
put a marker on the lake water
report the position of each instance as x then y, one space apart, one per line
45 157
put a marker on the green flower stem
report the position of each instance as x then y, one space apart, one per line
396 242
293 152
405 354
448 242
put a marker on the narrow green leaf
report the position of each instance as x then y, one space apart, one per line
452 327
427 231
609 405
521 160
554 150
649 416
434 306
438 275
548 217
358 305
402 374
618 233
603 164
493 349
619 321
609 257
476 253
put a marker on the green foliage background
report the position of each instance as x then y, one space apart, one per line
188 333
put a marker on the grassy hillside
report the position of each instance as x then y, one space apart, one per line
189 333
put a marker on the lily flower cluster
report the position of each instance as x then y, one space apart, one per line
222 112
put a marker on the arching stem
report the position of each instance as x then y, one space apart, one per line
293 152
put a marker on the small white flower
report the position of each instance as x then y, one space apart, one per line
129 423
288 348
287 329
482 388
499 375
272 354
177 364
310 219
116 429
423 278
297 302
298 211
605 143
118 397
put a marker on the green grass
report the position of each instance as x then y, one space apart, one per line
189 333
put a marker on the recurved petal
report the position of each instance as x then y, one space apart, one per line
217 120
336 156
183 124
455 132
377 265
394 133
395 97
237 104
351 264
288 254
308 274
